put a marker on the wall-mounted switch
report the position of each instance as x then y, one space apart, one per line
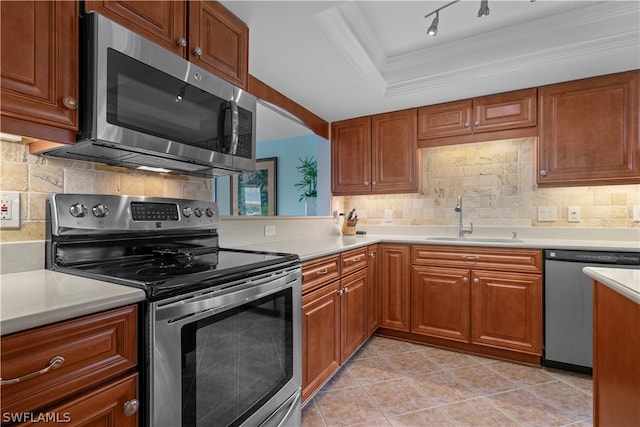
269 230
388 215
573 213
547 213
636 213
10 209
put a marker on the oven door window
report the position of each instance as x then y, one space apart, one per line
144 99
234 362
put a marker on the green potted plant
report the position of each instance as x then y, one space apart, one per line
308 183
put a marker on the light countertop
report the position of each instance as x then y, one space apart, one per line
310 248
624 281
35 298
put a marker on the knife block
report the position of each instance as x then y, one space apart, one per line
348 230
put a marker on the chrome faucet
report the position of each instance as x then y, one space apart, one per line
462 230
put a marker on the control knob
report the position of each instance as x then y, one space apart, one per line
210 212
187 212
78 210
100 210
198 212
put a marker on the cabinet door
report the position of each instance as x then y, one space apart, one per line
219 41
394 148
351 156
440 302
373 300
162 22
450 119
320 337
353 320
589 132
505 111
39 57
506 311
394 286
111 405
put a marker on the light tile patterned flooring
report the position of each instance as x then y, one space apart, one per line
395 383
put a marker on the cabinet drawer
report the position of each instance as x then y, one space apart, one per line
318 272
502 259
95 349
353 260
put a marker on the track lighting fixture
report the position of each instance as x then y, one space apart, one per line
484 8
433 29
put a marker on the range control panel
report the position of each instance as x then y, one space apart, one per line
95 214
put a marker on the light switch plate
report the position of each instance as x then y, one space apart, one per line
547 213
636 213
10 209
388 215
269 230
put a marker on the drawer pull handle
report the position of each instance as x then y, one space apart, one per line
471 258
131 407
54 363
321 272
354 260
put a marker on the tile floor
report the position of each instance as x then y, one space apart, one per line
395 383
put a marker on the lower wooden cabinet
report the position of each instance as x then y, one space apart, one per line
320 337
92 379
336 313
394 263
483 300
440 302
353 307
616 358
506 311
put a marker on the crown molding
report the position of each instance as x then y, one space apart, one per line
594 31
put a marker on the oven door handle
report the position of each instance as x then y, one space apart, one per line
291 405
212 304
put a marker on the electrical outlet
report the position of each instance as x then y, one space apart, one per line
547 213
10 209
573 214
388 215
636 213
269 230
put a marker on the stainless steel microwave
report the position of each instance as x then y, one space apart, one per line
142 106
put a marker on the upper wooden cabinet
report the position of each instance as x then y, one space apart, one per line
216 41
162 22
39 57
375 154
505 115
589 133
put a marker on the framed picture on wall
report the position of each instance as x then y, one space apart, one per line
254 193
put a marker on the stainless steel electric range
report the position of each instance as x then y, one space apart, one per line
220 330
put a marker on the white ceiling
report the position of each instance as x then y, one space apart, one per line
347 59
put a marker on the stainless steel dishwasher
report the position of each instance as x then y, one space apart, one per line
568 318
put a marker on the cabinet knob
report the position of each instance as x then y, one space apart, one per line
130 407
467 124
476 280
70 102
465 280
197 51
476 123
543 172
366 183
182 42
372 254
373 183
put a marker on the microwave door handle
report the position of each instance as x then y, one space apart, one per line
235 123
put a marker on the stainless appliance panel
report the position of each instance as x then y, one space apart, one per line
169 317
568 296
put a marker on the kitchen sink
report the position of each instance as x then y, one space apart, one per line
476 239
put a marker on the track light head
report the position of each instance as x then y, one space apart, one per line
484 8
433 28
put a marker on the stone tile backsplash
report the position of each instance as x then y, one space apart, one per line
497 184
36 176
